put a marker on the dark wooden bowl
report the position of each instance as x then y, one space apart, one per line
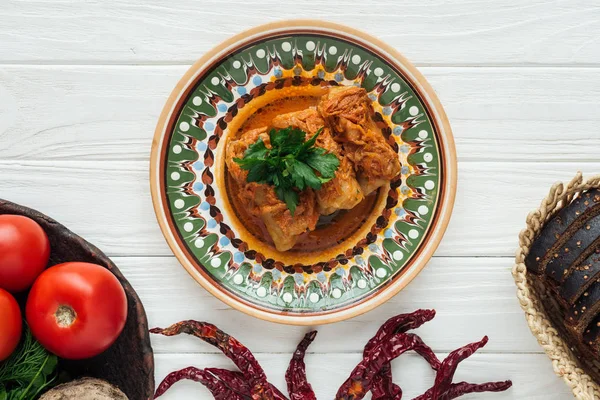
129 362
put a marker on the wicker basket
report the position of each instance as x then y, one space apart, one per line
564 362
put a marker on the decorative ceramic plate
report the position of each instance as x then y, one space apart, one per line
373 259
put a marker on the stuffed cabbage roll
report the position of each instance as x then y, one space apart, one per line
261 201
349 113
342 192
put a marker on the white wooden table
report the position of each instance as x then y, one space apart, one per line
82 84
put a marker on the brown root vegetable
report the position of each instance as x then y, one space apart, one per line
85 389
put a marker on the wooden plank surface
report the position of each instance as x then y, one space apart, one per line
109 113
473 297
505 32
82 84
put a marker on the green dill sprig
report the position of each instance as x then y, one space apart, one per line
28 371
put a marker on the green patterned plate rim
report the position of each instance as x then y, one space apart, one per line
192 132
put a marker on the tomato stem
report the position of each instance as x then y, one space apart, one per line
65 316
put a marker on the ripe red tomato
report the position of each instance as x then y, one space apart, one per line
76 310
24 252
11 326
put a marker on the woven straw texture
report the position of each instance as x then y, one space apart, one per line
564 363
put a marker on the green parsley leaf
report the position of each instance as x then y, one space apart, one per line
290 197
291 165
248 163
257 150
286 141
304 176
257 172
326 164
311 142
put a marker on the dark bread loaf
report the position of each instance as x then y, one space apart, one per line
580 278
564 262
556 231
575 250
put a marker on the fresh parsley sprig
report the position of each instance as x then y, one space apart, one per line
291 165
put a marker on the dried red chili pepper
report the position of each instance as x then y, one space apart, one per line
232 379
212 383
444 389
361 378
233 349
372 373
277 395
295 376
399 324
235 381
383 387
462 388
443 378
